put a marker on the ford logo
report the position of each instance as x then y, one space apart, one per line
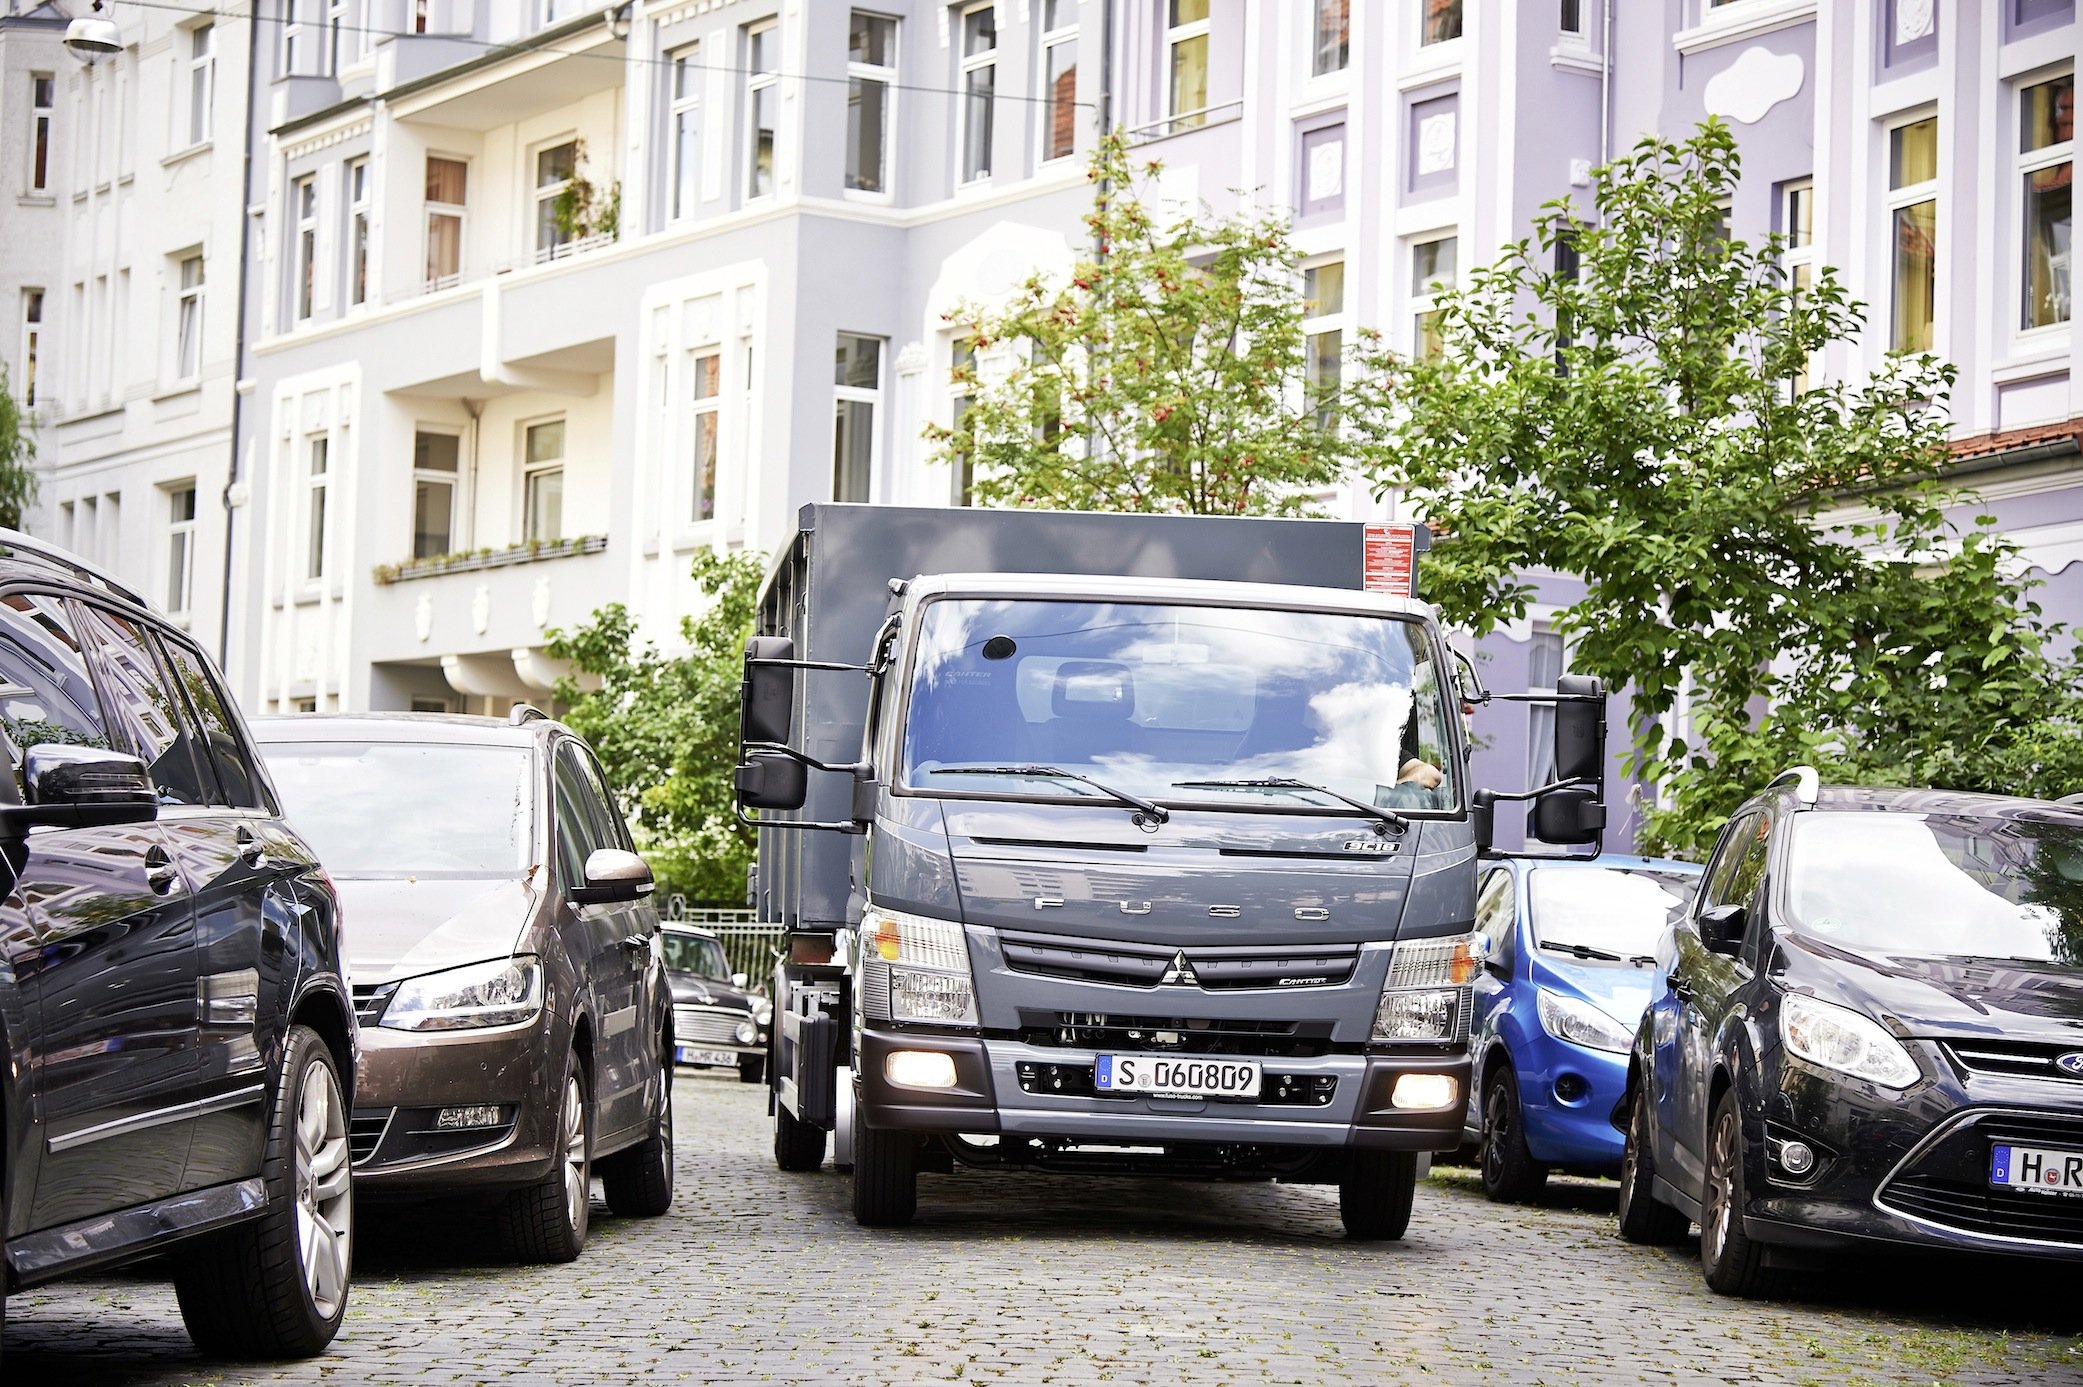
2070 1063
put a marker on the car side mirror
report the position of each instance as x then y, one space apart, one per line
83 787
1721 928
1568 816
613 875
766 709
771 780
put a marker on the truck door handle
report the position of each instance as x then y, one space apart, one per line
252 851
160 874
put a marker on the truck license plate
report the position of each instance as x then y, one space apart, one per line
1176 1076
687 1054
2037 1168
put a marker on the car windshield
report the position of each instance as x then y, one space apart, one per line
1942 885
395 809
1179 704
1614 913
690 953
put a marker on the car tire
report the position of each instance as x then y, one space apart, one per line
1375 1194
276 1286
1645 1220
547 1221
798 1146
1733 1264
638 1182
885 1177
1510 1174
752 1068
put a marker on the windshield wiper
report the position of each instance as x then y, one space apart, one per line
1585 951
1156 813
1388 818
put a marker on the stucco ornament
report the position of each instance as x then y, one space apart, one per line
1436 143
423 618
1754 84
1912 20
540 603
481 608
1326 170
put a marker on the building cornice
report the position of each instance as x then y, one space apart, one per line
1734 23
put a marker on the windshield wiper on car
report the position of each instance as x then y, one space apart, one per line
1388 817
1156 813
1586 951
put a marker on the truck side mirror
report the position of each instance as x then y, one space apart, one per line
1580 730
771 780
1482 818
1568 816
767 703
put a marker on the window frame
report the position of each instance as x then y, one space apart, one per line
758 82
543 197
683 119
871 396
530 470
887 76
1899 200
2025 164
703 409
1317 69
43 115
202 82
1798 256
188 316
459 212
434 476
1050 40
1318 323
961 394
968 65
1457 8
32 343
357 257
1177 36
1568 26
317 514
1424 300
180 548
303 286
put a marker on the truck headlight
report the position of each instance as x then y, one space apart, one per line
1580 1023
913 968
500 992
1426 995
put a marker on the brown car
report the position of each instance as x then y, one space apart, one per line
515 1023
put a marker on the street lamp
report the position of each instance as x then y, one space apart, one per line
93 36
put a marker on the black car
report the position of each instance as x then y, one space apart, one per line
1871 1036
717 1023
179 1043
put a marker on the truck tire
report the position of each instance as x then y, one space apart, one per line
276 1286
798 1146
638 1182
885 1177
547 1221
1375 1194
1510 1174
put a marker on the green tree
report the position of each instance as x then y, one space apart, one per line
17 457
1777 545
1168 374
666 727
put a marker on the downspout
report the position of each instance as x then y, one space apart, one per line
1605 88
238 376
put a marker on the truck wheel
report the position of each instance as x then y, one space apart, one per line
798 1146
1733 1264
546 1222
276 1286
639 1182
1645 1220
1375 1194
751 1068
1510 1175
885 1177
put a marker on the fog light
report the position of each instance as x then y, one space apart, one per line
746 1032
1796 1157
456 1119
1571 1088
1423 1091
920 1069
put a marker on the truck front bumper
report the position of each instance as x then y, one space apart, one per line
989 1096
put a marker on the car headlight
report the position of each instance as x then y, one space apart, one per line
1426 995
498 992
913 968
763 1011
746 1032
1580 1023
1839 1038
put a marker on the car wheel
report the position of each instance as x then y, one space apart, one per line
798 1146
885 1177
638 1182
751 1068
1644 1219
547 1221
1375 1194
276 1286
1510 1175
1734 1265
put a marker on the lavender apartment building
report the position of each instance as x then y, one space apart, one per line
541 296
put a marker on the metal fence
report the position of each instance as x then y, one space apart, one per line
750 945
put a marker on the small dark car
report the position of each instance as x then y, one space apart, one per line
1871 1036
717 1024
179 1046
516 1031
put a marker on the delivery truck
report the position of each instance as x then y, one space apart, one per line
1121 844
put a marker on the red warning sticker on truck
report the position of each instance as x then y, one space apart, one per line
1391 559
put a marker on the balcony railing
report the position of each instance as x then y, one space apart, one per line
1186 121
472 560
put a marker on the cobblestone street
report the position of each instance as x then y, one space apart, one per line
759 1277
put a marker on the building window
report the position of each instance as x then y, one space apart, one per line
686 117
336 35
1432 265
1186 53
1440 21
857 378
43 99
979 89
871 75
448 182
708 392
1546 662
1059 66
292 37
1913 231
2046 167
1333 44
316 476
762 103
188 318
1797 230
554 168
434 475
202 80
303 200
1571 20
180 547
32 343
1323 335
358 231
961 385
542 482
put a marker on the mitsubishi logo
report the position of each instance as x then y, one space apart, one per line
1179 972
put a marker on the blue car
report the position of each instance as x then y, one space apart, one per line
1571 969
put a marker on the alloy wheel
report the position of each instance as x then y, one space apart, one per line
324 1190
1497 1128
1721 1195
571 1125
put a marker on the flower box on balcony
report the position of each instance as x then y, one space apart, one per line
473 559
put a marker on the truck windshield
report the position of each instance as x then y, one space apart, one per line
1151 699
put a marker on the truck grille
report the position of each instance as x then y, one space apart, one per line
2021 1059
698 1025
1147 965
1195 1035
1948 1182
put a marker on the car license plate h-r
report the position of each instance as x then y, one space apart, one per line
2042 1170
1176 1076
